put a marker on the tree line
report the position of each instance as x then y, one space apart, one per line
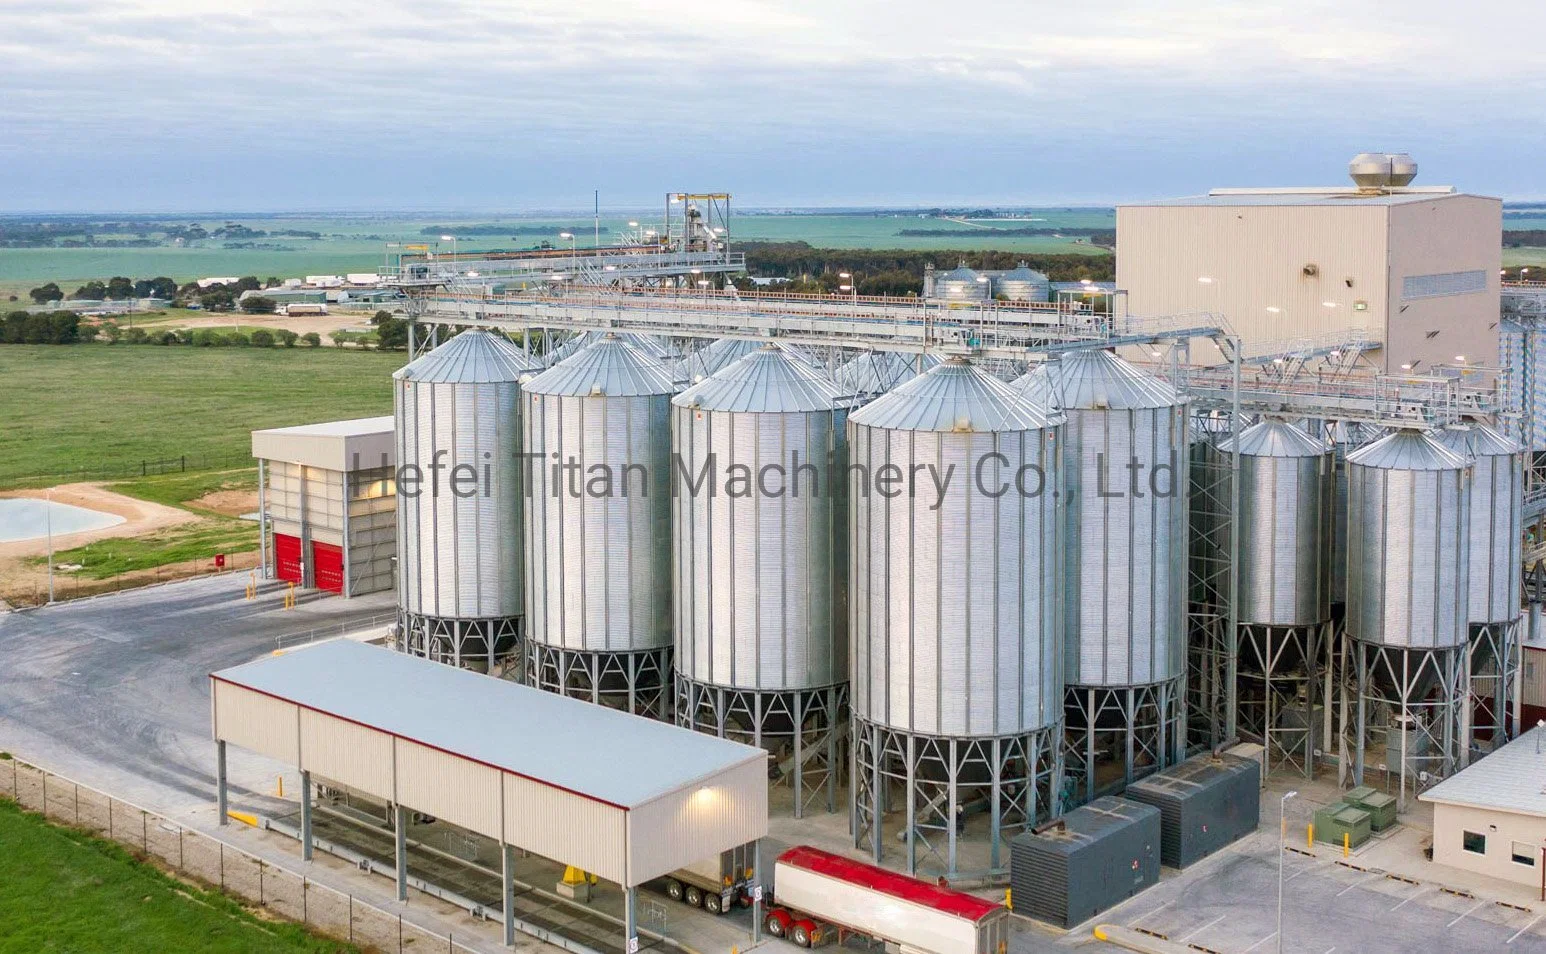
66 327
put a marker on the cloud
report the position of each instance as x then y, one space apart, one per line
544 86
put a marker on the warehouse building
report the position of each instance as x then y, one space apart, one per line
1413 267
1491 817
626 798
327 503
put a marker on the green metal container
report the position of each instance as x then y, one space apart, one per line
1334 821
1355 796
1381 809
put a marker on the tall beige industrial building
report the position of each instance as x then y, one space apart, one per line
1416 268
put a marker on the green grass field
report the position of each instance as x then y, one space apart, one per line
62 890
87 411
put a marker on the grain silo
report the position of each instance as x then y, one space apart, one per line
459 496
1022 283
597 431
1408 572
760 569
956 607
1493 548
1283 611
1126 583
959 284
875 372
713 356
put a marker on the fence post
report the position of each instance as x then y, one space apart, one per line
351 919
222 865
110 818
180 865
144 832
399 934
305 908
77 802
45 796
261 901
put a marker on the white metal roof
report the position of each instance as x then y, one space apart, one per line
356 444
620 759
1338 196
355 427
1512 779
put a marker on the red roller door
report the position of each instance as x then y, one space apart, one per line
287 558
328 564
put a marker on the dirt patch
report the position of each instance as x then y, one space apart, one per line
140 517
231 503
26 583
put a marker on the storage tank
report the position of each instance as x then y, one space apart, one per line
876 372
715 355
459 556
1497 500
1285 484
1022 283
1346 437
955 596
1408 511
597 428
961 284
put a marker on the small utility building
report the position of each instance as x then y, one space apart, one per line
1491 817
626 798
327 500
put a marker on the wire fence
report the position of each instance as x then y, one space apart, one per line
198 857
70 586
123 469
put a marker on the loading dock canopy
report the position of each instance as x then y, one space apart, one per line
626 798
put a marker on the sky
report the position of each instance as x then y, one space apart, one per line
509 105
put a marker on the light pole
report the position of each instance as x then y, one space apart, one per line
452 240
1282 843
574 256
852 287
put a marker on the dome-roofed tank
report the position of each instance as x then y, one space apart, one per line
1408 521
760 578
598 539
1345 438
955 591
1497 496
1127 489
1022 283
961 284
876 372
458 407
1285 483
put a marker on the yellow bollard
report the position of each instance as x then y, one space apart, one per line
281 786
1309 836
1009 898
1347 841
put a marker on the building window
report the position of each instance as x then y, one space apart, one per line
1523 853
1474 843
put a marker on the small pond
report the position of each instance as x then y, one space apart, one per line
23 518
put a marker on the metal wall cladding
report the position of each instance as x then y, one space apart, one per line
1204 803
761 575
955 597
1497 501
1285 502
1128 492
459 550
961 284
1408 511
1345 438
598 529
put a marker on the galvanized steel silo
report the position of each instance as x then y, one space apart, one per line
597 430
876 372
956 601
460 573
759 527
1128 487
715 355
1022 283
1408 572
961 284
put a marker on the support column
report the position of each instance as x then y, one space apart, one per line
402 852
305 816
263 519
757 891
507 891
220 780
348 587
630 920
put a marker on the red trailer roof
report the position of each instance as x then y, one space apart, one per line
889 882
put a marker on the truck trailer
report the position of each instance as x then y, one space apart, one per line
715 884
819 897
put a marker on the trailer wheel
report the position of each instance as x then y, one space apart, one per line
694 897
801 932
713 904
776 923
673 889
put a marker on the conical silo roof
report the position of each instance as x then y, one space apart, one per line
955 396
715 356
1272 438
1023 273
1407 449
1475 439
767 381
611 367
472 357
1096 380
875 372
651 345
961 273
